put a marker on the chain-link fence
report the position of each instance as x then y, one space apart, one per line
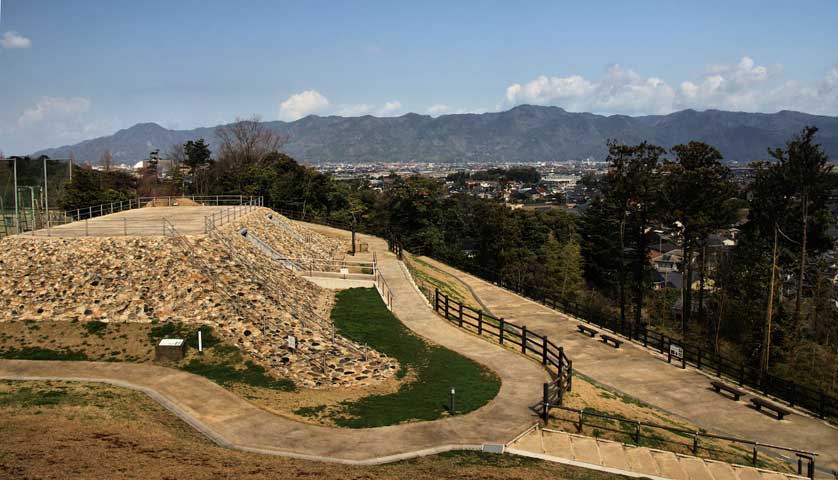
29 193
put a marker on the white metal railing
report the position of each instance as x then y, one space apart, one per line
77 222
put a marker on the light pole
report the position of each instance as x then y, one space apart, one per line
14 174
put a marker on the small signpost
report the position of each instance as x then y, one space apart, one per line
676 351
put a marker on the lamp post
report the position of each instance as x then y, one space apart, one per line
451 400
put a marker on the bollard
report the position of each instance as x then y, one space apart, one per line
200 342
451 401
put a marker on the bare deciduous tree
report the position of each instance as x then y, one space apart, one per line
106 160
245 143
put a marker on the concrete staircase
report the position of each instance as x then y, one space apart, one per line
642 461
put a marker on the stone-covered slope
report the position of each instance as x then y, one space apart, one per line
220 280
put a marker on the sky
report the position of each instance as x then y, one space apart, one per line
78 69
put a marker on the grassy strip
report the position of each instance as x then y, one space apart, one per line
224 365
38 353
360 315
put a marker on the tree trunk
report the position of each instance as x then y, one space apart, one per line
640 263
766 345
686 288
796 322
622 272
702 270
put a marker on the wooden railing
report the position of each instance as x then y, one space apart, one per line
796 394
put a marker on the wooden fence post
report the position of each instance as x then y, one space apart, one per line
524 339
503 327
460 314
698 363
446 305
436 299
544 350
569 375
480 322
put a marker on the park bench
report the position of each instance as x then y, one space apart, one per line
608 338
760 403
719 386
587 330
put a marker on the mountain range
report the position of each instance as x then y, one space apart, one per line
525 133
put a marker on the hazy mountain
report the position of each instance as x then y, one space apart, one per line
522 134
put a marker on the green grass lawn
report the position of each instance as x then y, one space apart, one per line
360 315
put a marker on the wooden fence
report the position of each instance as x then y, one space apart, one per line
517 337
794 393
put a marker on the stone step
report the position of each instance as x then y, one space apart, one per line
530 442
557 444
747 473
669 465
721 471
585 449
695 468
613 455
640 460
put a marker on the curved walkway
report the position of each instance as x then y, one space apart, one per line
233 422
644 375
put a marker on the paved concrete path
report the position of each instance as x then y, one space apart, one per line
234 422
642 374
146 221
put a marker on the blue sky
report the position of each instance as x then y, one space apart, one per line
74 70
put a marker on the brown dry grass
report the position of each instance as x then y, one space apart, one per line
129 342
56 430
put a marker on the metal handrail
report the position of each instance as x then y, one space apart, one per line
809 455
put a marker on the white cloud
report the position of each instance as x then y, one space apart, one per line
354 110
438 109
741 86
389 109
357 110
14 40
51 108
55 121
301 104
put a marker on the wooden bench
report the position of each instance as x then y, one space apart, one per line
608 338
719 386
760 403
587 330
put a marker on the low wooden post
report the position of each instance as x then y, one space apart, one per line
480 322
503 327
460 315
544 350
637 433
524 339
698 362
695 444
436 299
645 336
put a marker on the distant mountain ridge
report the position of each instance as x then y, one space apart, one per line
525 133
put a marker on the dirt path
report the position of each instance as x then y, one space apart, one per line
231 421
646 376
